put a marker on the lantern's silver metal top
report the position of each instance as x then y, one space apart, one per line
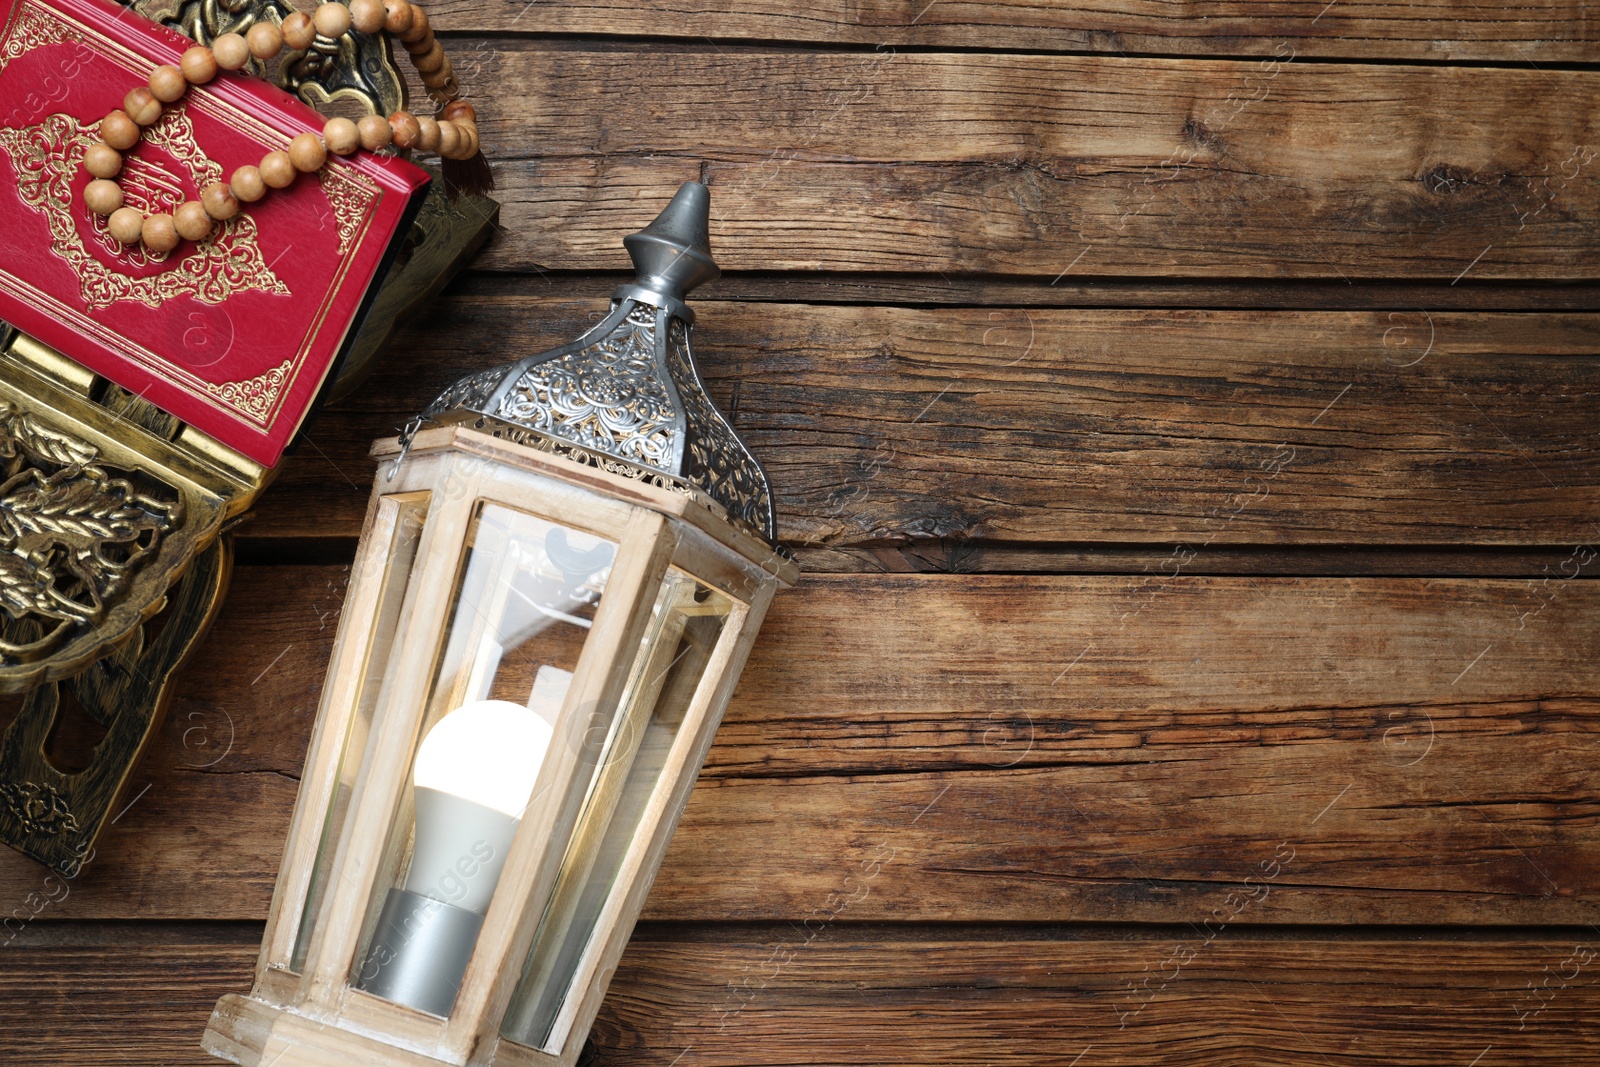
628 389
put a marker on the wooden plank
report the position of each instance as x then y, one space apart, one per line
131 1005
1048 165
1454 30
838 995
1034 427
1012 1000
1073 748
1032 749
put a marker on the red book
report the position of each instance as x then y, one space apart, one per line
234 335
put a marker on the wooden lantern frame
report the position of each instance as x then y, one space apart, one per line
310 1015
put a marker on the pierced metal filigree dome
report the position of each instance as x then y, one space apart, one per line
628 390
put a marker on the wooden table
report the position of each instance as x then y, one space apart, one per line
1185 420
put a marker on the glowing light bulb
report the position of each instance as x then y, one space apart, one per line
475 773
474 777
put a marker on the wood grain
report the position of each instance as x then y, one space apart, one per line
1032 749
1454 30
116 1005
840 995
1015 1000
1049 166
1052 748
1035 427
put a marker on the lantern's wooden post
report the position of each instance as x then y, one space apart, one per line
650 847
541 840
388 514
387 758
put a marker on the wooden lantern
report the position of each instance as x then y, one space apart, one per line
556 589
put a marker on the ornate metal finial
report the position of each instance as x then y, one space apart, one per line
628 389
672 255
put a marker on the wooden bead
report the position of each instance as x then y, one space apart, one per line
142 106
191 221
265 40
119 131
449 140
431 60
399 16
427 133
159 234
459 111
419 30
219 201
403 129
247 185
374 130
101 160
126 224
277 170
199 66
103 196
299 31
436 80
167 83
342 136
368 16
469 137
307 153
231 51
443 89
332 20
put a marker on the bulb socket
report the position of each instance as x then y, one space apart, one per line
419 952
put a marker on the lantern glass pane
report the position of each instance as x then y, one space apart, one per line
686 623
406 514
524 601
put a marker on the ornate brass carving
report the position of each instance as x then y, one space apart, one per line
40 810
103 507
355 67
98 517
72 536
54 816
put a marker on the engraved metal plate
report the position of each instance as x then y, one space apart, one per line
627 394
